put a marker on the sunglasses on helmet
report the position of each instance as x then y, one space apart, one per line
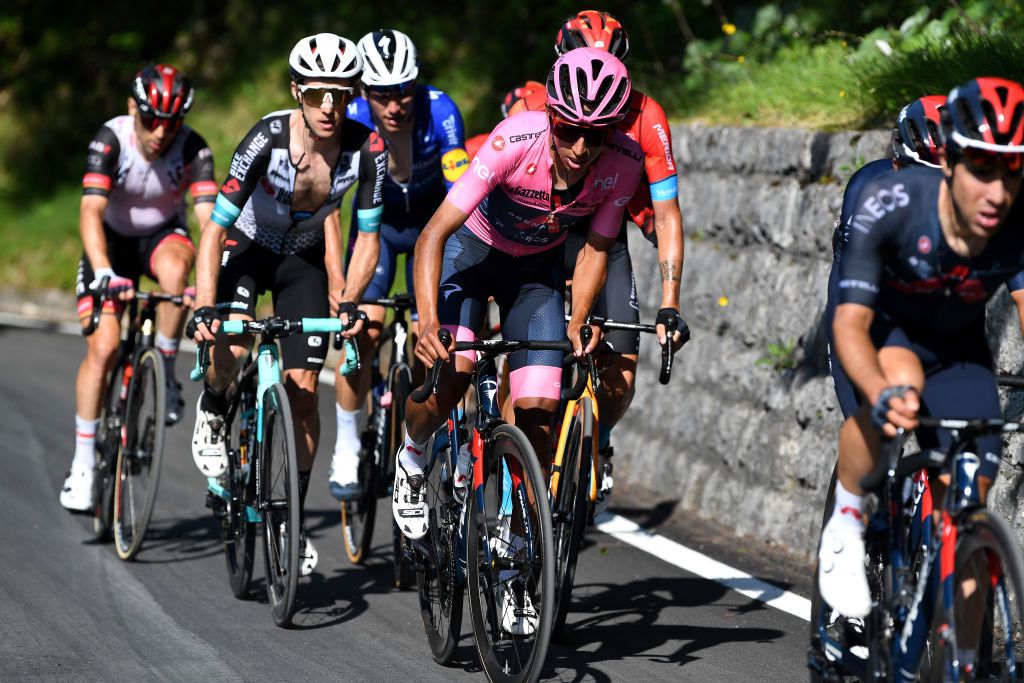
570 132
985 163
317 95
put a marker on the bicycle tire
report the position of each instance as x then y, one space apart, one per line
439 586
358 516
501 657
571 507
239 530
400 385
137 475
984 536
279 504
108 445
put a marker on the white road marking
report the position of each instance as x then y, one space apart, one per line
615 526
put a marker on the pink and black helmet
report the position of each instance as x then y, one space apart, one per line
588 87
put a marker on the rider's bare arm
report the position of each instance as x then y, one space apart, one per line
427 274
587 280
668 226
90 224
1018 299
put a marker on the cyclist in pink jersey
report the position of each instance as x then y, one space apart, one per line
496 235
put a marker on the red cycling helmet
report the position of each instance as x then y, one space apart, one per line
918 137
531 93
163 92
591 28
985 113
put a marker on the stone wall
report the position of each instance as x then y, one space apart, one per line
739 436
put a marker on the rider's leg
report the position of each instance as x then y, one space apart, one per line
301 385
170 263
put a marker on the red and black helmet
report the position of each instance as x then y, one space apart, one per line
918 137
591 28
532 93
985 113
162 91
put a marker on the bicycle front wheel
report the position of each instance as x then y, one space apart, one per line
510 560
571 507
108 445
279 504
438 567
138 464
988 606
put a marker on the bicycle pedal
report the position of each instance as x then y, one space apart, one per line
216 504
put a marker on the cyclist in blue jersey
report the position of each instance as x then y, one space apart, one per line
916 140
274 228
426 141
927 249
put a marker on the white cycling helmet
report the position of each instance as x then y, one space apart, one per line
389 58
325 55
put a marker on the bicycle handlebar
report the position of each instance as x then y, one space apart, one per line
665 372
102 294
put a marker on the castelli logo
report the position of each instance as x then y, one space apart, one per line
924 245
531 169
498 143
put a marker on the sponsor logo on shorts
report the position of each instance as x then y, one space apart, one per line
315 341
242 291
449 288
314 360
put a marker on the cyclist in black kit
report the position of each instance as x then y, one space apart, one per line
133 222
927 249
273 228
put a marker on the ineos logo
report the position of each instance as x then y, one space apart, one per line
886 200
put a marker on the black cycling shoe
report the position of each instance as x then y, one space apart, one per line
175 403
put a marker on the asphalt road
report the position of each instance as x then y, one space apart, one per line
70 610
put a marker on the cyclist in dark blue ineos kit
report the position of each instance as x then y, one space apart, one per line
927 249
274 228
426 145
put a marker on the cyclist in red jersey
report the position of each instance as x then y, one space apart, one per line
654 208
133 222
531 91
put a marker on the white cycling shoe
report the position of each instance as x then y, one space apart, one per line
842 578
208 448
343 477
76 493
409 506
308 556
518 615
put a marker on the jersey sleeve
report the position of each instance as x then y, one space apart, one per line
627 170
248 164
486 171
1016 283
655 140
860 270
373 167
101 163
450 130
199 172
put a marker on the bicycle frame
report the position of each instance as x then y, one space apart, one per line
572 408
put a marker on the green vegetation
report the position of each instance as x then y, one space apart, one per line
781 356
807 63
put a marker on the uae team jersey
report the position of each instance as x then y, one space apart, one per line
145 196
507 189
257 195
897 260
438 149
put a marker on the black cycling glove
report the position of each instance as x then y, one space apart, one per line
880 411
673 322
205 315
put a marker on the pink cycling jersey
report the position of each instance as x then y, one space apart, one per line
507 189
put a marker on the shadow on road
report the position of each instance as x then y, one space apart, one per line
621 623
180 540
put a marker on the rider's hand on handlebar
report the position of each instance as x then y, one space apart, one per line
669 317
188 297
119 287
896 407
428 347
348 313
203 325
573 332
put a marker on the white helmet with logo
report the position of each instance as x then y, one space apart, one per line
389 58
325 55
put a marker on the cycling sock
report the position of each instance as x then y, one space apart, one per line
413 456
169 350
348 430
604 436
303 488
85 442
847 509
213 401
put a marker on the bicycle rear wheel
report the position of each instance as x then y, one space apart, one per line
571 507
988 581
279 504
239 528
510 521
108 445
138 463
437 574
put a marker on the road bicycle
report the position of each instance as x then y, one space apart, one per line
261 485
501 516
575 477
130 433
946 575
385 431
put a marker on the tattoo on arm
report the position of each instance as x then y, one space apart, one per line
670 270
